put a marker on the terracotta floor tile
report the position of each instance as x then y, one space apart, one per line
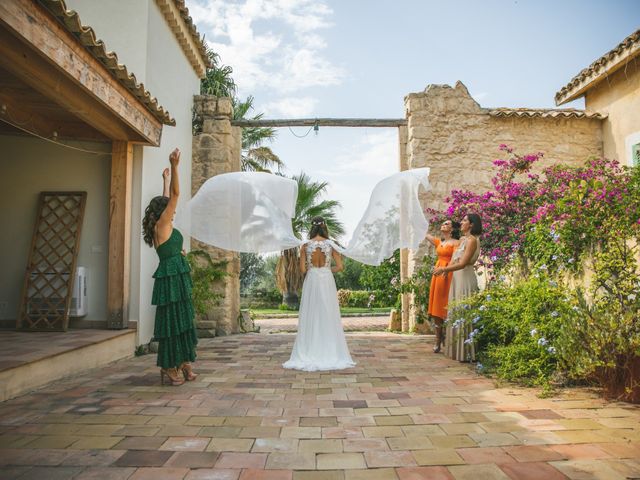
437 456
340 461
533 453
143 458
532 471
580 452
377 459
140 443
371 474
319 475
213 474
193 460
424 473
477 472
253 474
241 460
156 473
106 473
484 455
51 473
291 461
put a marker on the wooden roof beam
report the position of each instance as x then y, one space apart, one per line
323 122
43 54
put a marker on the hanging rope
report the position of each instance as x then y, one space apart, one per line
55 142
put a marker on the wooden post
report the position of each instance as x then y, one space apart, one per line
119 235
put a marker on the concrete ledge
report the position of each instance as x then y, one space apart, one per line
29 376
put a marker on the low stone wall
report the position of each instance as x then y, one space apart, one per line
216 150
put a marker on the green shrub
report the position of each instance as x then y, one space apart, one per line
516 328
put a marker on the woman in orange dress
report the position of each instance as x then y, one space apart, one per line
439 290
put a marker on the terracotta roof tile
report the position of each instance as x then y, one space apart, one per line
184 13
628 49
544 113
87 38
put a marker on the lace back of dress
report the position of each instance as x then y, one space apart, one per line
325 249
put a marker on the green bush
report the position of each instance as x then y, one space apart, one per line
516 328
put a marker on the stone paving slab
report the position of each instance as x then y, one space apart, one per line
403 413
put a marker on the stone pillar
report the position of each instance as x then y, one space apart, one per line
217 150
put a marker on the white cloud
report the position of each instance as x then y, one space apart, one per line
289 107
285 62
376 155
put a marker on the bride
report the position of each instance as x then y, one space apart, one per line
320 342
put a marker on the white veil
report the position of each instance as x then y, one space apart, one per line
244 212
251 212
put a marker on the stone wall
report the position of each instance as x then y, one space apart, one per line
449 132
217 150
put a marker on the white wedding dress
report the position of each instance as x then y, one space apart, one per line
320 343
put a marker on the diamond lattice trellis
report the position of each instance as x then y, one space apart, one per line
50 273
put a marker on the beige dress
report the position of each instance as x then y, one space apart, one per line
464 283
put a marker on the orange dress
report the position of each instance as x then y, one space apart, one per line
439 291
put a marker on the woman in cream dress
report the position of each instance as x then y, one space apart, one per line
463 284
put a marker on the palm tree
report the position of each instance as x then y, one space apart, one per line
218 80
308 205
255 157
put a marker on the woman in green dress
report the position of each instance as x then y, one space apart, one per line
174 328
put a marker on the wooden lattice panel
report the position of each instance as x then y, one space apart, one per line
50 273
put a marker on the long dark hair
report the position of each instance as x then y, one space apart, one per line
318 227
151 216
476 223
455 230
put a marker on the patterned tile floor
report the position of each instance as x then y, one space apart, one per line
403 413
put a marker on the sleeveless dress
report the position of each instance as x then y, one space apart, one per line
174 328
439 290
463 284
320 342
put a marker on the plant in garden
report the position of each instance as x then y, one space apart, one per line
383 281
206 275
516 327
506 210
419 284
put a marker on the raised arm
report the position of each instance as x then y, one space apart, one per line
303 258
431 239
165 222
166 178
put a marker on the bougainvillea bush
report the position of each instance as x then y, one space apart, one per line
563 291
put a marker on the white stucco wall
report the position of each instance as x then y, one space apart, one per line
138 32
122 26
28 167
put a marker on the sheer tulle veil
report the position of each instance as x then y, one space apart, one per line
251 212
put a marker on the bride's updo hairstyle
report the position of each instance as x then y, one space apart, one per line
318 227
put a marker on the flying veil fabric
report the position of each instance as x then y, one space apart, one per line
244 212
251 212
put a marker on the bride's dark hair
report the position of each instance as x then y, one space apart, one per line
318 227
151 217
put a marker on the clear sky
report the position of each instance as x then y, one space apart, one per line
359 58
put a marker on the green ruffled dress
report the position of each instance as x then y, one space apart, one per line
174 328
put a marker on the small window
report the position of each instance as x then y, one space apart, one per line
635 154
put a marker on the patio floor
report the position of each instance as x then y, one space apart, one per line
402 413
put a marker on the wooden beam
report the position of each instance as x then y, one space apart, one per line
119 235
43 54
322 122
13 107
